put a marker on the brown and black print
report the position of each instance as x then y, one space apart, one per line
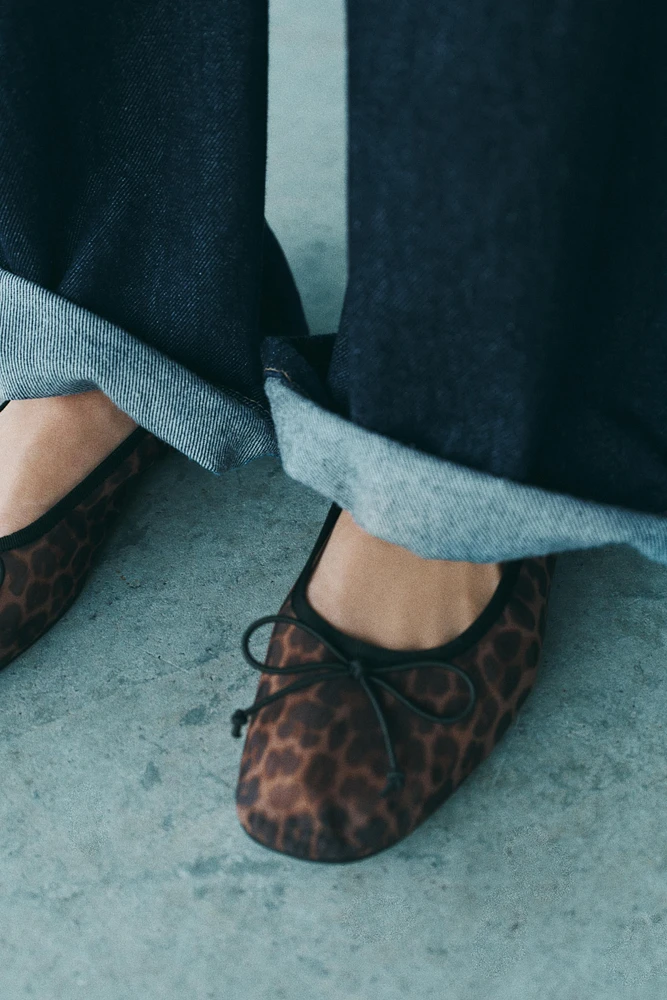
315 764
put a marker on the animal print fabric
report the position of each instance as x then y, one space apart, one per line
314 763
41 580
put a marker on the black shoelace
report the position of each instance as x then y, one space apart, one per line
369 675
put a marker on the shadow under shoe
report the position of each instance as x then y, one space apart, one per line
350 747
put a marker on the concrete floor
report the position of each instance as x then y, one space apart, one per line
123 873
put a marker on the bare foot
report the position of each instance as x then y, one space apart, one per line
47 446
384 594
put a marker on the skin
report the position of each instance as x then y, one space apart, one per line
385 594
366 587
47 446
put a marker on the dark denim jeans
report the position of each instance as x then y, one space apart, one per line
505 320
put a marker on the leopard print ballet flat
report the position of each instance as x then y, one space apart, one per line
350 747
43 567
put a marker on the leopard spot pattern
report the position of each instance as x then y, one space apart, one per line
41 580
327 805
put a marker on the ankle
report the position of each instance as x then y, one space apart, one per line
85 407
385 594
49 445
87 416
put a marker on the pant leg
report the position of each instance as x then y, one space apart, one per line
497 385
132 237
506 306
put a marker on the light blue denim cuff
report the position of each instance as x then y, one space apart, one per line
437 508
50 347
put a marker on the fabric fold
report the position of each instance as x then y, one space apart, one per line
434 507
49 346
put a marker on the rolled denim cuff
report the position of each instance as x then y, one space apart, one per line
49 346
434 507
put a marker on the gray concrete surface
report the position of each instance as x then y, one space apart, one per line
123 873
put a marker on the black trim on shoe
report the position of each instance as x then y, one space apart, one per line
29 534
359 649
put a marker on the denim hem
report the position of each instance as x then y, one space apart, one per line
437 508
49 346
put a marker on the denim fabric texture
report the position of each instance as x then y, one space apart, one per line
436 508
503 347
507 299
132 162
51 347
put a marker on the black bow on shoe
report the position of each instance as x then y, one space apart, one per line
367 674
